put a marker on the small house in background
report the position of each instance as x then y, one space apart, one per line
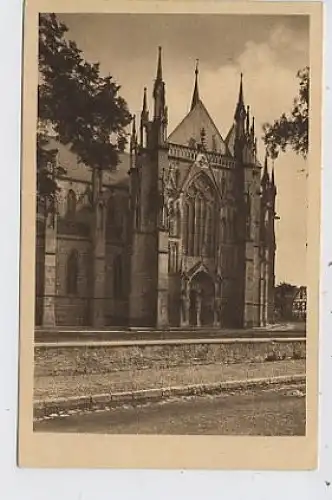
299 307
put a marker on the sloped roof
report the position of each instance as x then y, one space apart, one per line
191 126
77 171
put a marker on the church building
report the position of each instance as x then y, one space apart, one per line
182 234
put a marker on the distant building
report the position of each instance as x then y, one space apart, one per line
182 235
299 306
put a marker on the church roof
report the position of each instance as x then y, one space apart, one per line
190 130
77 171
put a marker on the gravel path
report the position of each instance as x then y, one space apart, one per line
48 387
260 413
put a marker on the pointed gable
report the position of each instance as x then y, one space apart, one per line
190 128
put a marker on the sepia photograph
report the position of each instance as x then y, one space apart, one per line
170 175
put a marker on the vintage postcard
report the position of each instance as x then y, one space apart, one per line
171 158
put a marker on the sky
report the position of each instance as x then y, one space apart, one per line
269 50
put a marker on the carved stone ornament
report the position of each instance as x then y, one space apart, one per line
201 160
171 179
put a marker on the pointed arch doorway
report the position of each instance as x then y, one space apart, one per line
201 300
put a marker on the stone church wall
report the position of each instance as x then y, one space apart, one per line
72 309
174 299
116 301
143 280
39 283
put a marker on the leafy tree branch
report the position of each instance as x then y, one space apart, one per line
291 130
82 107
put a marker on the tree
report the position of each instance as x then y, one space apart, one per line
283 300
47 169
291 130
82 108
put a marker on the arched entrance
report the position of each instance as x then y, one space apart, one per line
201 300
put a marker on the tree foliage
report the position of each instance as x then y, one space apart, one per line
283 300
291 130
47 169
82 107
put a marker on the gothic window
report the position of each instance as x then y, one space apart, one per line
199 231
191 227
72 273
185 227
172 257
178 220
71 203
118 285
209 231
174 220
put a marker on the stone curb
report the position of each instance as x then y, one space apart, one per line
43 408
157 342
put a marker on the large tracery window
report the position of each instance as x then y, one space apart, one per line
174 220
200 211
172 257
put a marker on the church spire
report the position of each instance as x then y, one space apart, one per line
265 177
145 105
241 89
159 66
240 119
195 97
159 90
240 111
144 117
133 138
133 144
247 119
252 130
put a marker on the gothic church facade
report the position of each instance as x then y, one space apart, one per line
183 233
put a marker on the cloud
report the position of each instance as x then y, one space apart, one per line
269 85
282 38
